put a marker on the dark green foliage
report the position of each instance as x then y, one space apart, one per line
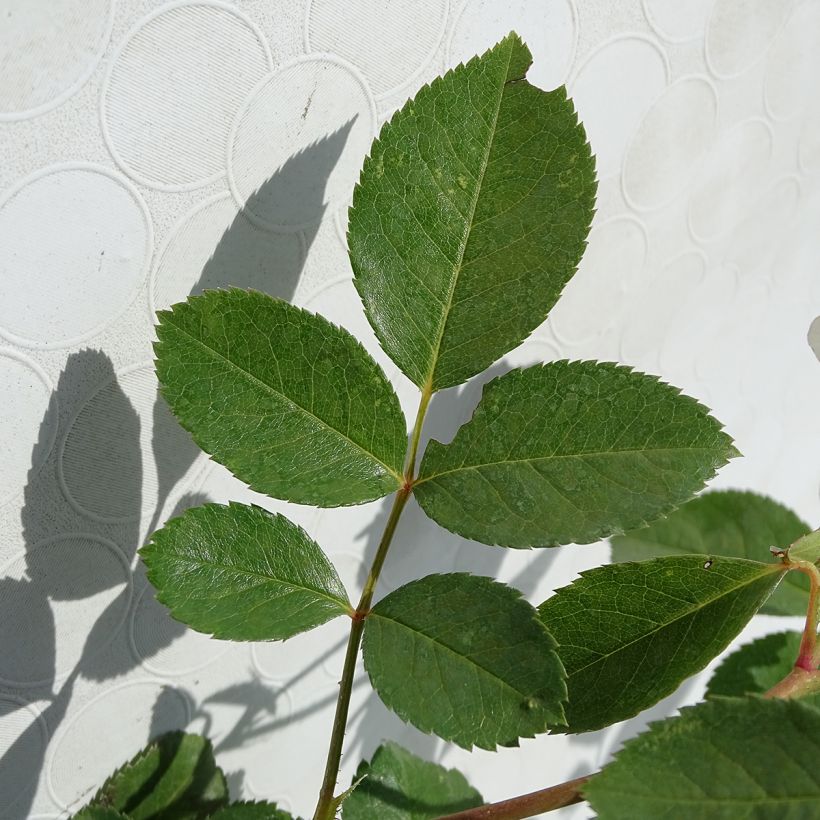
730 523
242 573
629 634
464 657
470 216
570 452
398 785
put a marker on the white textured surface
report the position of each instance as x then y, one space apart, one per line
151 149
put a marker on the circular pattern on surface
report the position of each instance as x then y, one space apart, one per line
677 22
738 34
548 27
23 737
793 65
49 51
613 90
215 245
55 253
735 171
668 292
86 748
28 430
612 267
373 35
165 646
172 135
299 141
672 139
809 150
101 465
756 239
72 580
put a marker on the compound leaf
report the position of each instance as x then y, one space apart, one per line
570 452
728 523
398 785
174 776
242 573
629 634
470 216
464 657
291 404
726 759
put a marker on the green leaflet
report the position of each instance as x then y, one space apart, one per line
755 667
629 634
251 811
570 452
291 404
174 776
470 216
398 785
726 759
242 573
729 523
806 548
464 657
98 813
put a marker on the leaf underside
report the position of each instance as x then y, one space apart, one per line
629 634
726 759
241 573
174 776
470 216
466 658
570 452
291 404
728 523
398 785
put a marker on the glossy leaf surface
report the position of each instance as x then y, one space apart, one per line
291 404
729 523
629 634
570 452
242 573
470 216
174 776
726 759
464 657
398 785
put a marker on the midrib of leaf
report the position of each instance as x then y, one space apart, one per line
251 574
530 460
269 388
452 651
702 605
470 219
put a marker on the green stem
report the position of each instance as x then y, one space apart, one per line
327 804
527 805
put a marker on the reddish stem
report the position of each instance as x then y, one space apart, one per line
527 805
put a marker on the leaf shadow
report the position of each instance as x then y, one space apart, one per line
107 474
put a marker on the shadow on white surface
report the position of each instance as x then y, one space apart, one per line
69 569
